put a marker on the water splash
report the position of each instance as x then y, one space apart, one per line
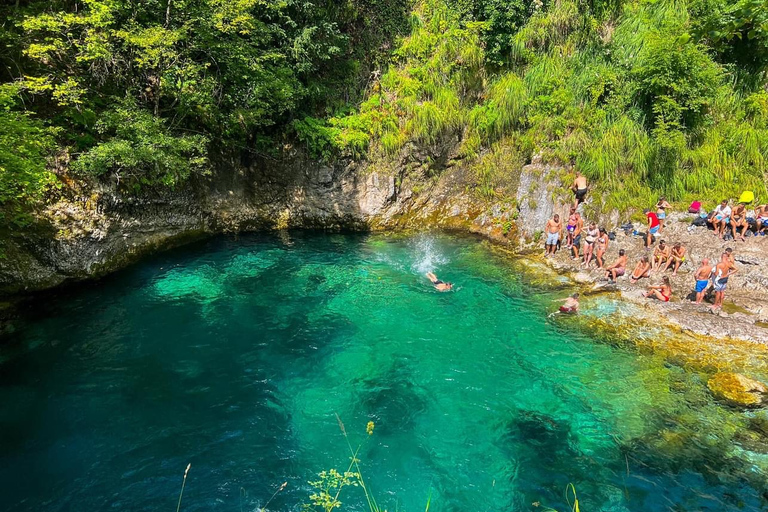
427 257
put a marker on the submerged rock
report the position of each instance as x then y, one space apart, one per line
736 389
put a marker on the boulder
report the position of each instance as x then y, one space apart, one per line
736 389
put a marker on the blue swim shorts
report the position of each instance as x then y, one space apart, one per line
701 285
655 230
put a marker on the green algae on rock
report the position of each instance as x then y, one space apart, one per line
736 389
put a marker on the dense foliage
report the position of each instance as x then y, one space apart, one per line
641 96
644 96
140 92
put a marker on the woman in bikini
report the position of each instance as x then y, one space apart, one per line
573 221
642 269
662 292
571 304
589 243
602 246
661 212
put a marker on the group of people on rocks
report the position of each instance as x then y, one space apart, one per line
664 256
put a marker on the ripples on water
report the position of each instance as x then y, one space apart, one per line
235 355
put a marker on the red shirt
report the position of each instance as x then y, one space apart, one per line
654 219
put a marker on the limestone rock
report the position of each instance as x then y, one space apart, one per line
736 389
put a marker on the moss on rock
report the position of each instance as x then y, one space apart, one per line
736 389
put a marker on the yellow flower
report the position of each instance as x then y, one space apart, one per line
369 428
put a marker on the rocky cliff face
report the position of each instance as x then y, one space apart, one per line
91 231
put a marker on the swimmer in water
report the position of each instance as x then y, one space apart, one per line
571 304
438 284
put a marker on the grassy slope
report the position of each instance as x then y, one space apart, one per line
632 100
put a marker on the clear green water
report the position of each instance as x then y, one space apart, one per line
235 355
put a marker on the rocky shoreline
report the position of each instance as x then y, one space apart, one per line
745 312
93 232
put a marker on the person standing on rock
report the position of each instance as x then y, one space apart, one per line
617 268
653 226
702 276
573 221
579 188
661 212
577 236
554 226
589 243
602 247
720 275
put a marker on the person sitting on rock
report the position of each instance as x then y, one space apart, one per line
761 217
702 279
642 269
573 221
661 254
720 217
617 268
739 220
676 258
571 304
662 292
438 284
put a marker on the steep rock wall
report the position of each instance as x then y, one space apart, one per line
93 230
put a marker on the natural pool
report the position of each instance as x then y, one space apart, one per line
234 355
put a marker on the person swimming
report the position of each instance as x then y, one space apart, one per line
439 285
571 304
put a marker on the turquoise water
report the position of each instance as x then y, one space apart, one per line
235 355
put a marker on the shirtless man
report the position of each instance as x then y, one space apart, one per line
720 218
761 217
642 269
739 220
720 275
702 279
438 284
577 236
661 254
554 226
617 268
579 188
676 258
571 304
